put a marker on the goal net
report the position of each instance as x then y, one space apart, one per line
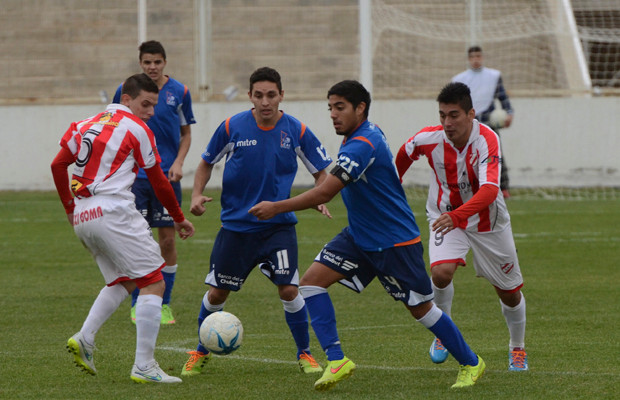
417 46
544 48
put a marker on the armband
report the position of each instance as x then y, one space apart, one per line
341 174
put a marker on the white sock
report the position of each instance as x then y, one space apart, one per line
148 316
515 319
443 298
108 300
170 269
211 307
294 305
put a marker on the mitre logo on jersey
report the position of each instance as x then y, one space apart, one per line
285 140
246 143
170 99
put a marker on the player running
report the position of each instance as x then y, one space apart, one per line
382 239
466 210
107 151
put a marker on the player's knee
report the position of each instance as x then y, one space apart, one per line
288 292
216 296
509 298
167 244
442 275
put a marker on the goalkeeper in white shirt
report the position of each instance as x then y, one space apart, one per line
486 85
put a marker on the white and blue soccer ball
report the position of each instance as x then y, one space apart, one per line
221 333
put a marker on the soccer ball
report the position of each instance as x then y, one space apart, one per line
221 333
497 118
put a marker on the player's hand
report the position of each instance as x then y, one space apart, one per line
175 173
322 208
264 210
70 218
443 224
508 121
197 206
185 229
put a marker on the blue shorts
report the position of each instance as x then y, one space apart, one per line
400 270
149 205
235 254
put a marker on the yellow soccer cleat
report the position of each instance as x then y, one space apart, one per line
335 371
469 375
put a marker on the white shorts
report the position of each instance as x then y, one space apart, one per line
118 236
495 255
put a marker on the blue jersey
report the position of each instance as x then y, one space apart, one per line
378 212
173 110
261 164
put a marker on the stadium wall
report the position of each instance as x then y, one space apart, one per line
553 141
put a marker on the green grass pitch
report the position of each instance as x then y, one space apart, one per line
569 252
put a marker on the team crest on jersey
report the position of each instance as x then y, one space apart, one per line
170 99
285 140
105 119
473 158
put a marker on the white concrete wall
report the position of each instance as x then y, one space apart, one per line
553 142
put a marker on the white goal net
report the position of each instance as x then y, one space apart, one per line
418 45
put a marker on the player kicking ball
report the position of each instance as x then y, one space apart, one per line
382 239
107 150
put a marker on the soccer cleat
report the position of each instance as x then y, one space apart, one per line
154 374
133 315
437 352
166 315
82 353
517 360
469 375
335 371
197 360
308 364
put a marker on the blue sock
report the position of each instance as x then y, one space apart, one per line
134 297
298 324
323 320
453 340
204 313
169 280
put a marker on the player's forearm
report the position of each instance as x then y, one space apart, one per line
201 178
164 192
184 144
318 195
403 162
60 167
481 200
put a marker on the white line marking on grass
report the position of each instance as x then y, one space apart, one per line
393 368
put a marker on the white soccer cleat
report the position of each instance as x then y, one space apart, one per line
153 374
82 353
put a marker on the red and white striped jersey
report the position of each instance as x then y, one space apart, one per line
109 148
459 173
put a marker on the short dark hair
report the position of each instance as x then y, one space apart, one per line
474 49
353 91
138 82
266 74
152 47
456 93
